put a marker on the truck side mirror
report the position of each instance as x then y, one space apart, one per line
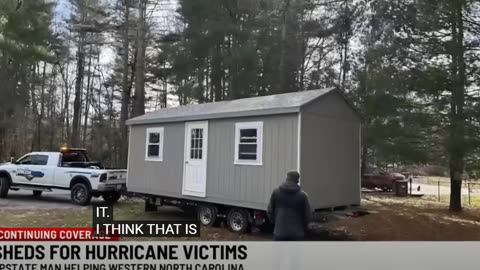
12 160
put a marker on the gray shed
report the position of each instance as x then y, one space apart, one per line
234 153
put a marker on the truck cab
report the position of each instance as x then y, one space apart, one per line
68 169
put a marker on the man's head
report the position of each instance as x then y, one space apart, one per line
293 176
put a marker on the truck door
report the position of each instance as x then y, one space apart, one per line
33 169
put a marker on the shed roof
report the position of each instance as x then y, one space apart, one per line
253 106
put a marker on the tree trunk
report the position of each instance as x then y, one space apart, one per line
87 98
457 127
283 50
125 91
216 73
139 100
75 136
42 108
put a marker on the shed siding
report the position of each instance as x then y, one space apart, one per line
250 184
156 177
227 183
330 151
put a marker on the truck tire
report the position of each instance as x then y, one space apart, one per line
237 220
80 194
37 193
111 197
4 186
207 214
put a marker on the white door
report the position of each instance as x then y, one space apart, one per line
195 167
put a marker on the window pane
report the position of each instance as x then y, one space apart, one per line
200 154
40 160
200 132
154 138
247 151
192 154
244 156
247 148
200 143
248 135
26 160
153 150
192 143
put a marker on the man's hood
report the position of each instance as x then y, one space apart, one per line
289 187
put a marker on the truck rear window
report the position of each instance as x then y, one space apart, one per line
70 156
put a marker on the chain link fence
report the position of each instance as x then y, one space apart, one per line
440 189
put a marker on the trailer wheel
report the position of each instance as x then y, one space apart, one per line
237 220
37 193
80 194
4 186
207 214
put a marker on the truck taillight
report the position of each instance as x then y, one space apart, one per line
103 177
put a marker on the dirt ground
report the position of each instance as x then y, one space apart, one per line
409 219
390 219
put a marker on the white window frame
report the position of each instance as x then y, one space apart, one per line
158 130
249 125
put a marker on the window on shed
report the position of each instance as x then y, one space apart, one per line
154 146
248 143
196 143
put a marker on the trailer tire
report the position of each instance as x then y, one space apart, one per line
238 220
111 197
207 214
37 193
80 194
4 186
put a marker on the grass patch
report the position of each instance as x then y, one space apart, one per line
78 217
473 202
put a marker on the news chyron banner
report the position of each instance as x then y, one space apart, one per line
237 255
103 247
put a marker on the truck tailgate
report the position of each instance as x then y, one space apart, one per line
116 177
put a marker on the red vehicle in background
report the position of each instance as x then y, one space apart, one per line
381 180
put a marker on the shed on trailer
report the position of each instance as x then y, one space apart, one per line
234 153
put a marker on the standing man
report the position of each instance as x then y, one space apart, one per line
289 210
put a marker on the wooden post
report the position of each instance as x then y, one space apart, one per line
468 188
438 188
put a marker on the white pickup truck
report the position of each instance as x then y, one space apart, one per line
69 169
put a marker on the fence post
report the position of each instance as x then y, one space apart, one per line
468 188
438 190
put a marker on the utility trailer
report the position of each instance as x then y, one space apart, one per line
224 159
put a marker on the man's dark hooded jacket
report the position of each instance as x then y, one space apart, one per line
289 210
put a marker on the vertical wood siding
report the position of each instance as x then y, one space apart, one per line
330 150
227 183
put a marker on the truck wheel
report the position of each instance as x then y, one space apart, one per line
207 214
237 220
4 187
37 193
111 197
80 194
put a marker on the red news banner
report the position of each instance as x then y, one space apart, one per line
53 234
